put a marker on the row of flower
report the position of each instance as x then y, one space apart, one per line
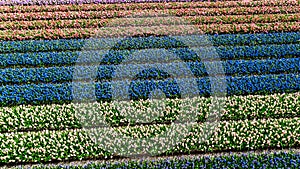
228 135
61 2
106 32
107 43
68 116
158 54
153 5
266 160
147 12
75 144
262 18
232 11
106 72
96 23
140 89
244 134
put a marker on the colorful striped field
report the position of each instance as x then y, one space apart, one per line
251 54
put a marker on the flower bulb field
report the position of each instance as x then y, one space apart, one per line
149 84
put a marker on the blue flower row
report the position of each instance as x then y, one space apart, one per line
60 93
256 39
198 69
78 44
250 160
115 57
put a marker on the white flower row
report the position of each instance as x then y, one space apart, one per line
228 135
114 113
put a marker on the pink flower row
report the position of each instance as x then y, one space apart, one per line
75 2
166 30
96 23
139 13
131 6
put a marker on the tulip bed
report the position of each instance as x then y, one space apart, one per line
95 23
55 2
150 12
251 46
73 144
68 33
118 6
55 116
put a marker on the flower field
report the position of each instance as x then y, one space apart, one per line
248 64
266 160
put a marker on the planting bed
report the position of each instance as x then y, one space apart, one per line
253 47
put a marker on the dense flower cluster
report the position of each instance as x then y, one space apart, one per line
245 134
250 28
257 43
256 39
215 28
105 43
75 144
22 118
106 72
54 24
147 12
284 52
61 2
47 146
59 93
264 161
153 5
96 23
266 18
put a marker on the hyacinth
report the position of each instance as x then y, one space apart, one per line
253 46
217 40
65 74
263 160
